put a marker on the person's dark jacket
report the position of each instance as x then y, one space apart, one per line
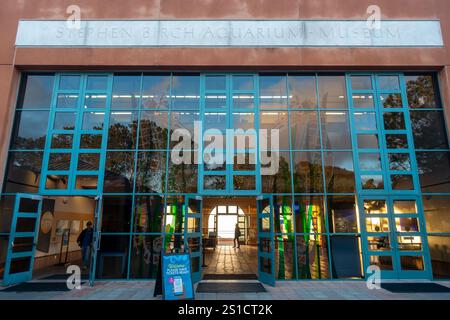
85 237
237 232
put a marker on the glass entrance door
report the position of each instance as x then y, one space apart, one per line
193 234
393 235
23 239
266 256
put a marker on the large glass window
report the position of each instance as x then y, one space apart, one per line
342 215
332 91
186 92
307 172
422 91
305 133
429 130
272 92
335 130
36 91
30 130
155 91
434 171
302 91
126 91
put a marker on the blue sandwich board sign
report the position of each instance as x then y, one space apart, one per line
177 277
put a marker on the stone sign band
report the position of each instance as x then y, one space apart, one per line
229 33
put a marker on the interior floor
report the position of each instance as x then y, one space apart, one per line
228 260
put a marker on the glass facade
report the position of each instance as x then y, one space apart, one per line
363 170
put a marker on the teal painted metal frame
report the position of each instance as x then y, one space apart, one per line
266 277
8 278
387 193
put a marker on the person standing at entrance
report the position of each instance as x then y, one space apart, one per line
84 240
237 234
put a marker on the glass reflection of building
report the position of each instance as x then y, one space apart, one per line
318 223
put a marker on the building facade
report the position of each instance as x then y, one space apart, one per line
353 119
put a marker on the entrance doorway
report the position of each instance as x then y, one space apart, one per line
44 234
225 259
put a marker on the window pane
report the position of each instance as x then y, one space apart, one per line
36 91
23 172
437 213
112 258
6 208
305 130
122 130
90 141
88 161
97 83
30 130
307 172
370 161
280 180
365 121
377 225
342 214
434 171
183 122
302 91
151 172
242 82
86 182
64 121
361 83
126 91
396 141
67 100
62 141
272 91
388 83
182 177
309 214
97 101
156 90
405 206
285 257
145 256
394 121
429 130
312 257
372 182
116 214
399 162
56 182
368 141
362 100
421 91
214 101
216 83
335 130
93 120
345 257
332 92
69 82
440 259
241 182
375 207
283 214
185 92
153 130
383 262
148 214
411 263
339 172
276 121
119 172
391 100
59 161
